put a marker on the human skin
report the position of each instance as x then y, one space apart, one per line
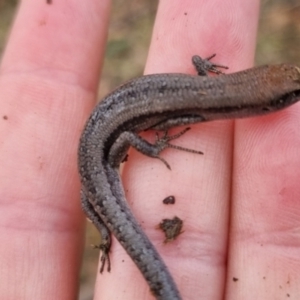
239 201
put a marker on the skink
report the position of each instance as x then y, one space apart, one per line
162 101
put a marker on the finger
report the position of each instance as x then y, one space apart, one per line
201 184
264 245
48 84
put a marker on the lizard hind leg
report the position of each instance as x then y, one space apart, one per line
94 217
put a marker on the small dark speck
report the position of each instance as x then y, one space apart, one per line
235 279
5 117
264 277
288 295
169 200
185 13
49 1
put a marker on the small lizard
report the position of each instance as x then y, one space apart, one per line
162 101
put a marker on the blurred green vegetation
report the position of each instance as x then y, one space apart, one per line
127 48
279 32
7 11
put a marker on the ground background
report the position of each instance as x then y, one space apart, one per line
128 41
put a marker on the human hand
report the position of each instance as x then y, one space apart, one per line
48 84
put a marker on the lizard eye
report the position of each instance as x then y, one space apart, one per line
266 108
